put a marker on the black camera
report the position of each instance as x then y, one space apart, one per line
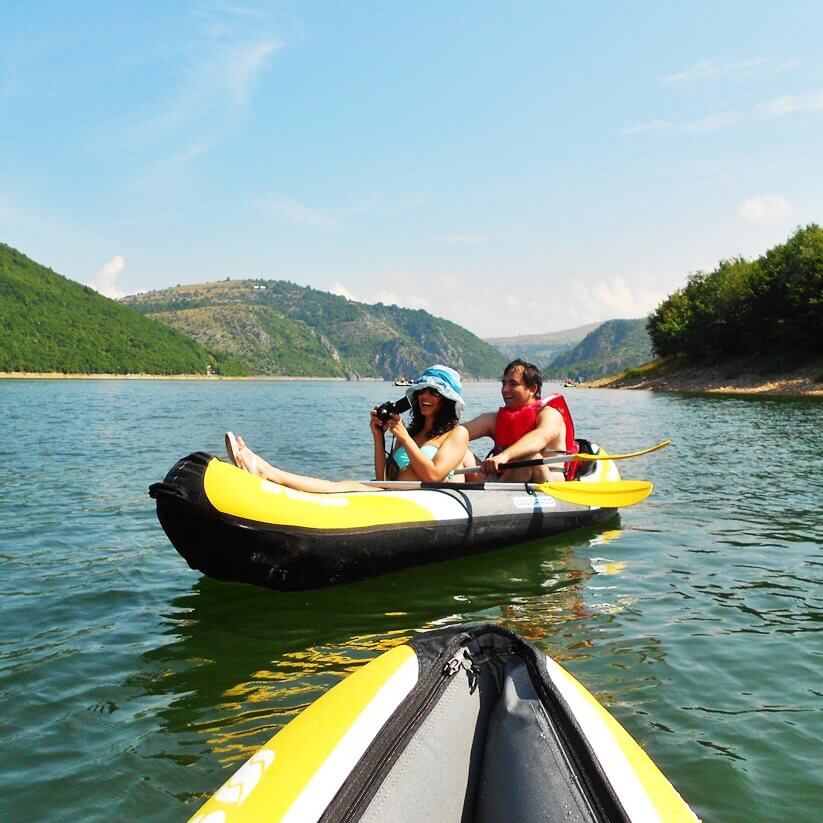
397 407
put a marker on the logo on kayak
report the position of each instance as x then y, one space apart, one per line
534 501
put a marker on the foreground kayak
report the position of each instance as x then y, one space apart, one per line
232 525
461 724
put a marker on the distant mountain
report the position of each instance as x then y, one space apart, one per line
540 348
280 328
613 346
49 323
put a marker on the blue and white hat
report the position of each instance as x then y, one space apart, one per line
447 382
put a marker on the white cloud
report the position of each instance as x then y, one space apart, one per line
287 208
342 291
616 299
765 208
712 69
390 298
104 280
791 104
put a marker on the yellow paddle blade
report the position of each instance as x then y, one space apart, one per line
584 457
615 495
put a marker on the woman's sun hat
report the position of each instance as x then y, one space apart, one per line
447 382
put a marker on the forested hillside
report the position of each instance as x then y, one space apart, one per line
770 305
49 323
280 328
613 346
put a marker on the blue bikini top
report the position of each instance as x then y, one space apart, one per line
401 456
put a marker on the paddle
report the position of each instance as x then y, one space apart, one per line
565 457
606 495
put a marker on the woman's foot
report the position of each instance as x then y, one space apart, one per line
233 448
241 455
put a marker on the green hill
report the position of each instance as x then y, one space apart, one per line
49 323
280 328
613 346
541 348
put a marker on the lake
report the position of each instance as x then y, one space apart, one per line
132 687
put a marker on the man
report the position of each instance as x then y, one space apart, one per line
524 428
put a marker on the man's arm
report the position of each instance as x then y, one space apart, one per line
481 426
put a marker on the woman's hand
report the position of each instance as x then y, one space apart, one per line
398 429
375 424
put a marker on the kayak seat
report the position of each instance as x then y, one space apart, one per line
586 467
487 753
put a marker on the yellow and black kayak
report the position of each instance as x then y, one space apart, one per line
463 724
232 525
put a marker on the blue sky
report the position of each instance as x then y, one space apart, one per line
514 167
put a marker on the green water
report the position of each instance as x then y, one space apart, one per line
131 686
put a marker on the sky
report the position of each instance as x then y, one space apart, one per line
517 167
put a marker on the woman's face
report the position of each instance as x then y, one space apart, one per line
429 401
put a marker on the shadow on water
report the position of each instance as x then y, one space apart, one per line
244 660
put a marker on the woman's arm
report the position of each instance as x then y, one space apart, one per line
379 446
449 454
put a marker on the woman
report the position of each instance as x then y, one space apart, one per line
430 448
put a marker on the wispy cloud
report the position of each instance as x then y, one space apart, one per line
791 104
461 239
712 69
106 277
213 92
287 208
765 208
710 123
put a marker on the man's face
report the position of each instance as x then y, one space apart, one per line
515 392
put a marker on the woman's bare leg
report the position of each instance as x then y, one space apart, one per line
298 482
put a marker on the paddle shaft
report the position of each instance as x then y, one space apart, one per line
566 457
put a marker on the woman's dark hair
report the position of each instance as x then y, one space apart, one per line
445 421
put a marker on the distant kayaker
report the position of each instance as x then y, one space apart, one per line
430 449
526 427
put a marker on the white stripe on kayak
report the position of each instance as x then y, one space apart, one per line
321 789
619 772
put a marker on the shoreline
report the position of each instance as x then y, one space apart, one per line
731 378
17 375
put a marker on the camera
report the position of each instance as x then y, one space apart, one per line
397 407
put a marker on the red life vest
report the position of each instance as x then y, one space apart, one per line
512 424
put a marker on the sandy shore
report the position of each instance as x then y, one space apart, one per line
729 378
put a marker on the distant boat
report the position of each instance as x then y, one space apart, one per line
402 381
569 384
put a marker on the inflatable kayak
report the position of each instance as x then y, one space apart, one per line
461 724
232 525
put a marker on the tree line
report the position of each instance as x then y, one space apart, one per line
773 304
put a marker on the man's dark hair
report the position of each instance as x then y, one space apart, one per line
532 376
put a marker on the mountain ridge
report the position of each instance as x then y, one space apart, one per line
263 322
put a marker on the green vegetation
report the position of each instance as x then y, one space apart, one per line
284 329
49 323
613 346
772 305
